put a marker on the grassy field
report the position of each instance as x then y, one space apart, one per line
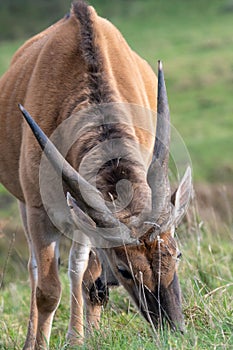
194 40
206 274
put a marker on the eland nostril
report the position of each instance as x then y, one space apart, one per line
181 328
182 331
177 327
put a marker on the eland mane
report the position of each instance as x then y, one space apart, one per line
98 91
97 86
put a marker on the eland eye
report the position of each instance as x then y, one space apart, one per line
179 255
124 273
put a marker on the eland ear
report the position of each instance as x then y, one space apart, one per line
181 197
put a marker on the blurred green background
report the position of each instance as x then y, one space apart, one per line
195 42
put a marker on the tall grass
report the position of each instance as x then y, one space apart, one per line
206 275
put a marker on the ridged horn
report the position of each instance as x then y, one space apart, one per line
75 182
157 176
71 177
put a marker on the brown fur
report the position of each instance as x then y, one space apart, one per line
81 61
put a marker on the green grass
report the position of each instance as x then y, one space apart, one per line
206 274
194 40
